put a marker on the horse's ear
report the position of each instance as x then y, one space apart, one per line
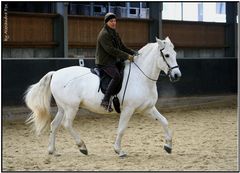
167 39
160 43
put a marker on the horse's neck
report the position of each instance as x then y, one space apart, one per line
147 60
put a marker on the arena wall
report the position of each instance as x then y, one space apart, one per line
201 76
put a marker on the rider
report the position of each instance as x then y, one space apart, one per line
109 51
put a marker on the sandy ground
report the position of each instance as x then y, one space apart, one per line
205 138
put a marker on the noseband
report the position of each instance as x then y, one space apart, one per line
169 67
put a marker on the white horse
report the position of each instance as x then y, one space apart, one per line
75 87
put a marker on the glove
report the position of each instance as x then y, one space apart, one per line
131 58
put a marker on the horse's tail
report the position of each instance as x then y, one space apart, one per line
38 99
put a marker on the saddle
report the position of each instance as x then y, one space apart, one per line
105 80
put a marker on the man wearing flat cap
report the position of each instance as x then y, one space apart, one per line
109 51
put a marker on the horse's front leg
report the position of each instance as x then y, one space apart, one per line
125 116
168 135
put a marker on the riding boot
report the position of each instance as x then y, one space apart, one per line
105 102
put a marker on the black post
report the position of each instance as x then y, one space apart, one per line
231 29
61 30
155 14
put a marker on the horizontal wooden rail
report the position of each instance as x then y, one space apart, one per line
87 45
31 14
30 44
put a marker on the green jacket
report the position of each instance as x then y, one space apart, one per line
110 49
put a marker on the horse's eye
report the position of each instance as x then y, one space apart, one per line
167 55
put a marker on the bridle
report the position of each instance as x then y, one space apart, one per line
169 67
164 59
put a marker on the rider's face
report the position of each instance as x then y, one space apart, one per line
112 23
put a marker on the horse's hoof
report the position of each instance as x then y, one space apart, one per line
50 152
167 149
85 152
116 152
57 155
122 154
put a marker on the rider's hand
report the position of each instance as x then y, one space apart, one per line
131 58
136 53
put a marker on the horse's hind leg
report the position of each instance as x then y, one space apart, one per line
70 114
168 136
54 126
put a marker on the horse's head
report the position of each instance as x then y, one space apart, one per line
168 62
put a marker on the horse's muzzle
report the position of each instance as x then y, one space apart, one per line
175 77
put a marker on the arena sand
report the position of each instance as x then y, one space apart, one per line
205 138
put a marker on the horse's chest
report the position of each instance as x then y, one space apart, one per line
146 100
147 104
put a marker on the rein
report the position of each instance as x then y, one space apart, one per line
164 59
155 80
144 73
126 83
129 75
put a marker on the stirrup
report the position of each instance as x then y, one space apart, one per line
107 106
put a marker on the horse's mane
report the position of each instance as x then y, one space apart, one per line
146 49
147 46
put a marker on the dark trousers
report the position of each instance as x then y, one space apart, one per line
113 72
